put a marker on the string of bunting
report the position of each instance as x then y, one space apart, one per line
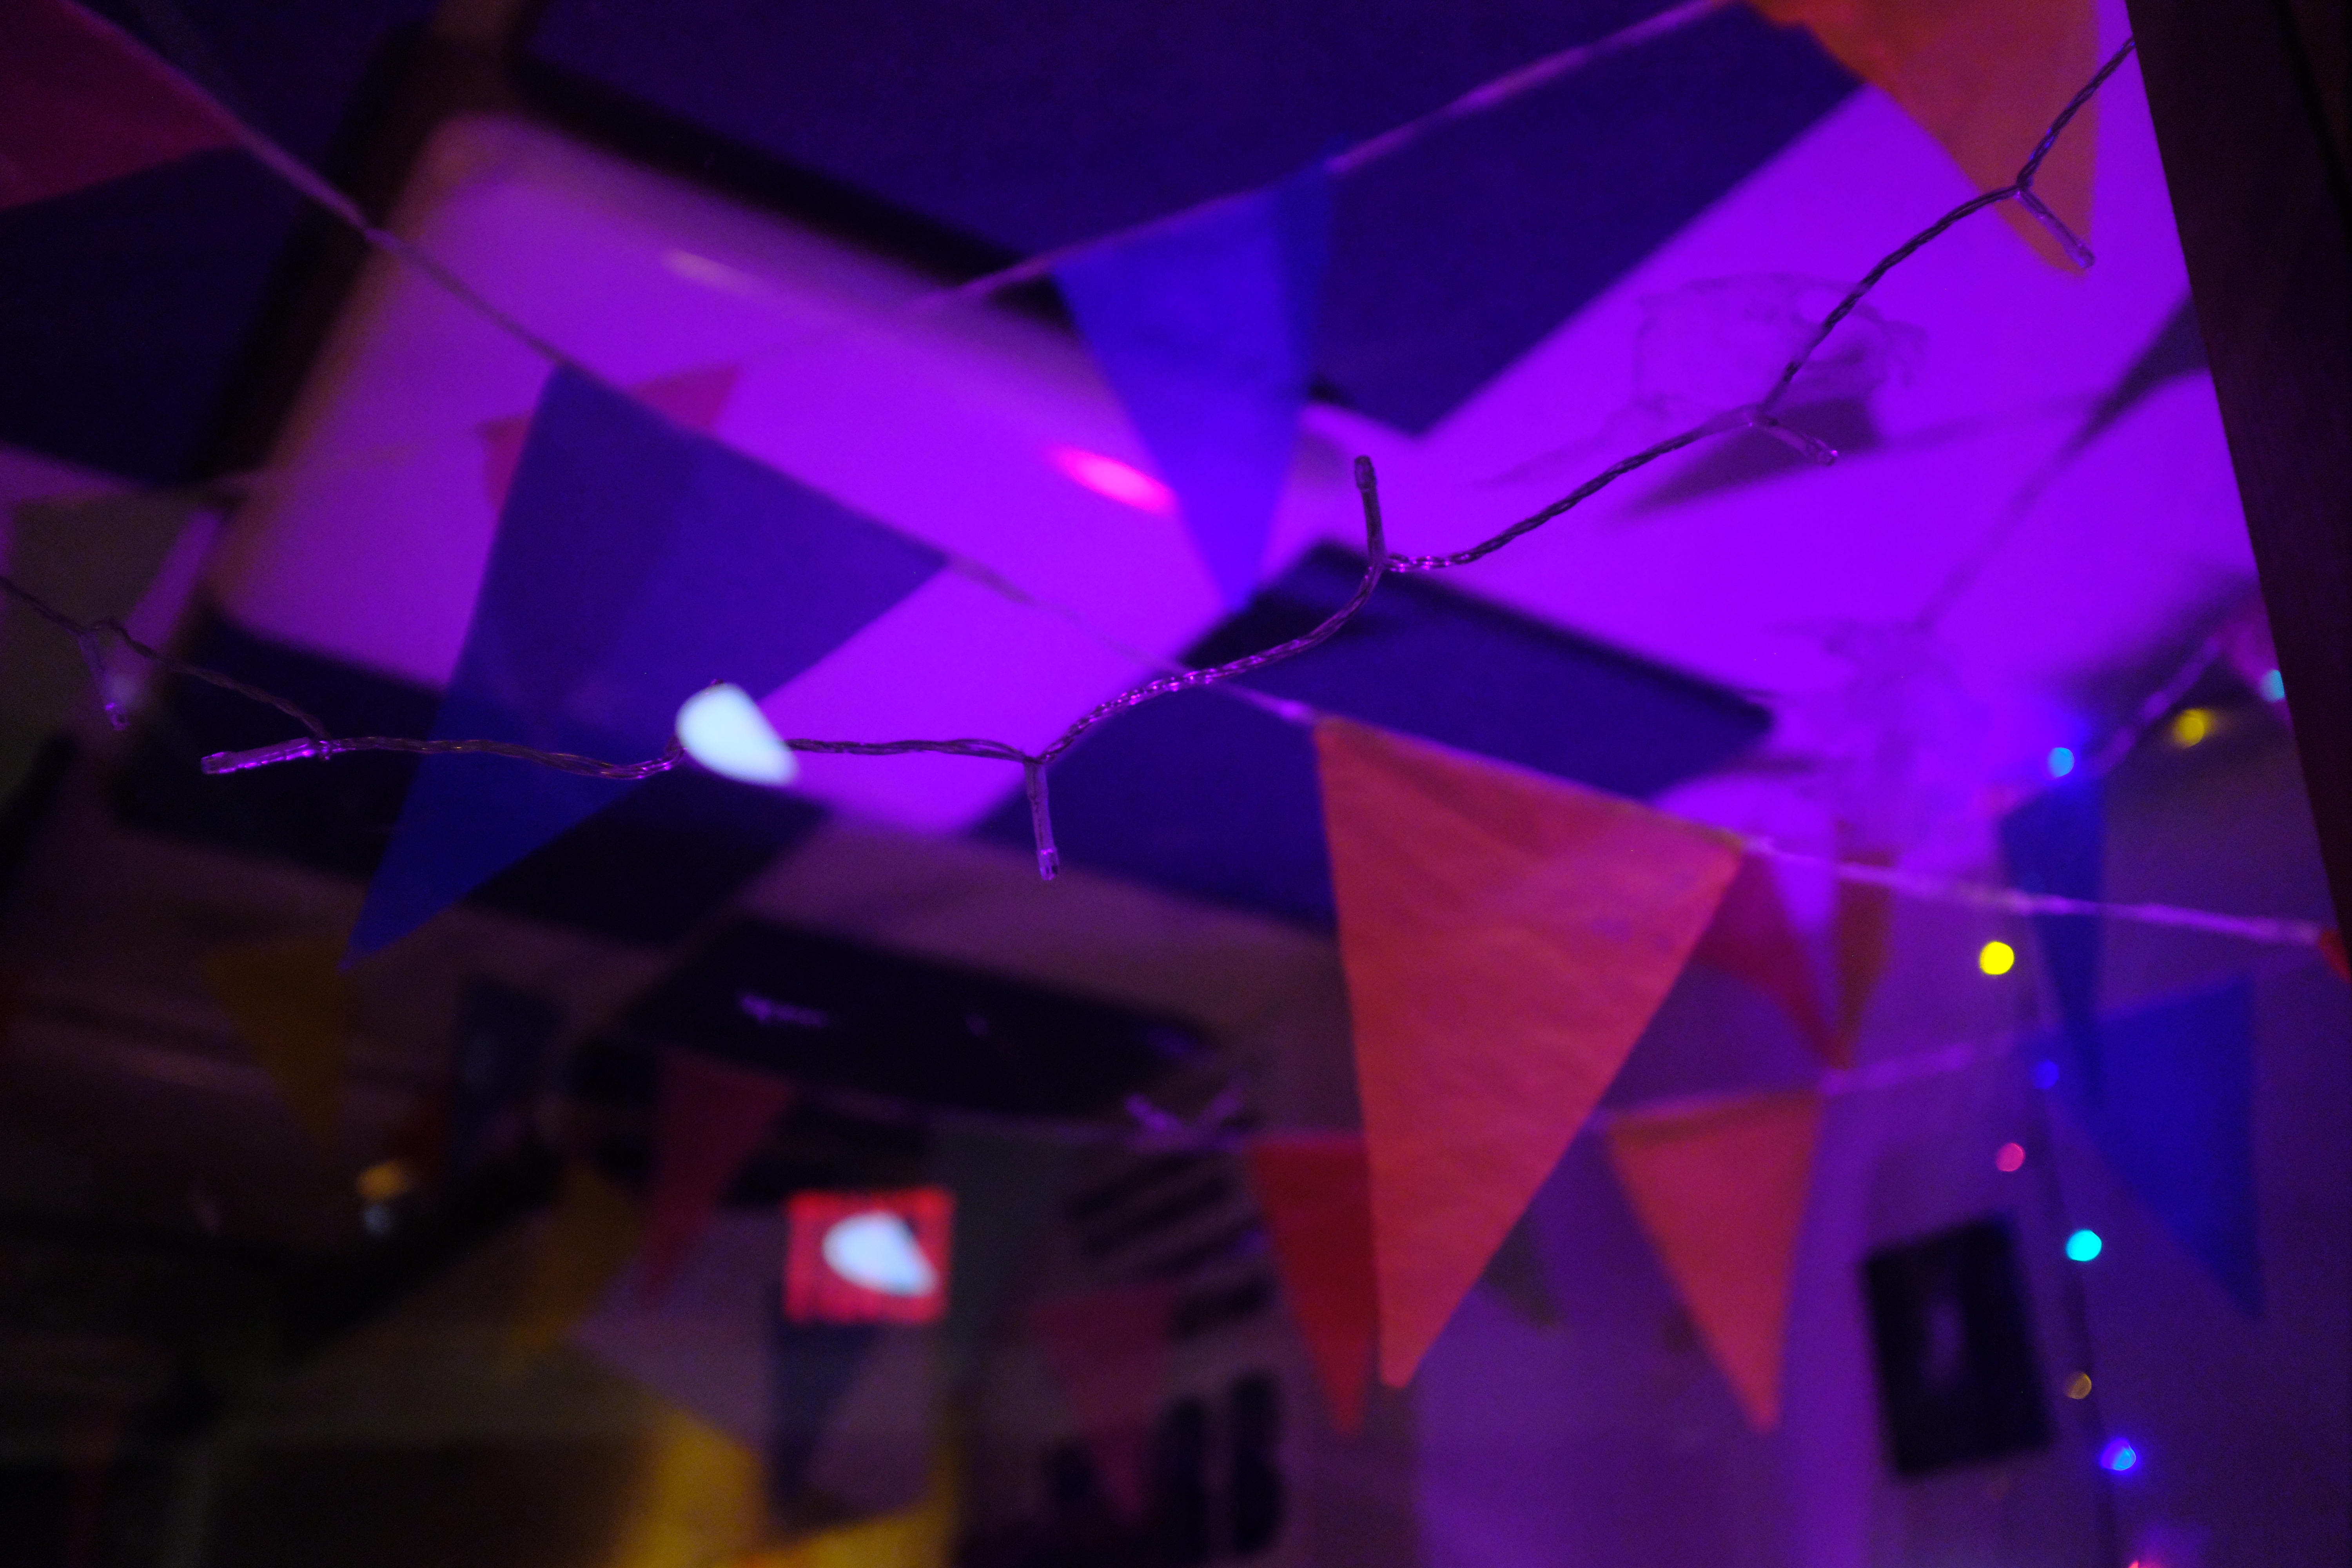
320 745
1758 416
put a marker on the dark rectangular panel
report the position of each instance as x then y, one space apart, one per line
826 1010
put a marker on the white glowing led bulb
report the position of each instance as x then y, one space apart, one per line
878 1250
721 728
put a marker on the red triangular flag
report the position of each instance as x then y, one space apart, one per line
1506 937
1753 939
82 102
710 1118
1721 1191
1315 1191
1862 936
1109 1348
1984 77
694 398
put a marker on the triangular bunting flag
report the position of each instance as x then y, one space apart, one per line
1985 78
694 398
293 1005
698 1497
1110 1350
875 1454
924 1536
1862 942
1753 939
707 1120
82 102
2171 1106
583 1243
1205 328
2056 843
95 558
1721 1193
1315 1191
1007 1190
636 562
813 1364
1507 937
708 1345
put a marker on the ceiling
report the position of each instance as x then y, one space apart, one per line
1512 304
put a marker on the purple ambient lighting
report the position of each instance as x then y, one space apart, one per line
1109 476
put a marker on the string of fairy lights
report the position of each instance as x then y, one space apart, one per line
318 744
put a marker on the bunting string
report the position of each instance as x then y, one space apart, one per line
1222 1126
1758 416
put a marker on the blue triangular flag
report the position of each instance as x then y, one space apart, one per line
811 1367
2171 1107
1205 328
2057 843
635 561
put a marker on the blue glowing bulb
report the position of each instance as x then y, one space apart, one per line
2118 1456
2045 1074
2273 686
2061 760
2083 1246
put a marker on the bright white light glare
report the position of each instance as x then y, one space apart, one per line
721 728
1109 476
877 1250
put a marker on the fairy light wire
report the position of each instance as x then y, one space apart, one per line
1757 415
1378 562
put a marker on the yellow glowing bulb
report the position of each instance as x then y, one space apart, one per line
2191 725
2081 1387
1996 958
380 1184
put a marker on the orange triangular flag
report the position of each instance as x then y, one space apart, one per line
694 398
82 102
1721 1191
1753 939
585 1240
1315 1191
1507 937
1985 78
292 1003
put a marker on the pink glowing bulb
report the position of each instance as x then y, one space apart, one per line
1109 476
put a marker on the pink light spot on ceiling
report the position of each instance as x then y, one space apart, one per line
1109 476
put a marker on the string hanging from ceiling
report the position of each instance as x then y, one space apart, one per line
1757 415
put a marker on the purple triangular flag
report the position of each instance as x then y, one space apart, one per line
1205 328
2171 1106
2057 843
636 562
